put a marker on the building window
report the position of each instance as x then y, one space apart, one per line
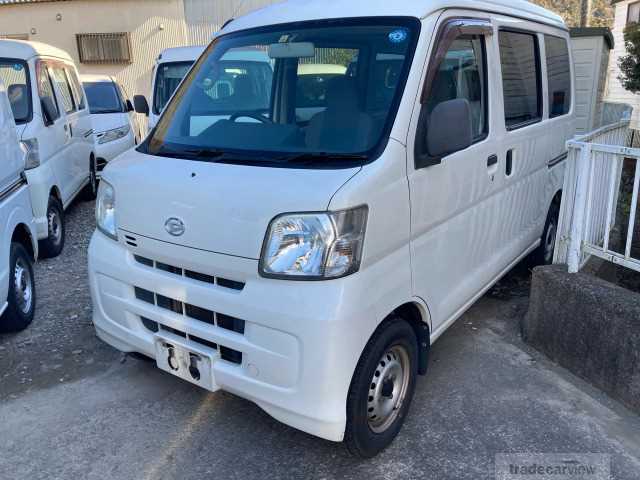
104 47
633 14
522 87
15 36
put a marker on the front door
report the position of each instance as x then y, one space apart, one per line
455 220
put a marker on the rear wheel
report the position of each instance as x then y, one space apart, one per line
382 389
21 299
54 243
543 255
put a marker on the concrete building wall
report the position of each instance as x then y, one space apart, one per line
153 25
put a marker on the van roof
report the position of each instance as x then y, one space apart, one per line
180 54
305 10
24 50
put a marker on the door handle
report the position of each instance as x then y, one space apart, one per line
492 160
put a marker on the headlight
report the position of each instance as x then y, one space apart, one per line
106 210
314 246
115 134
32 153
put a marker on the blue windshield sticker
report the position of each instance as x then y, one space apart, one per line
398 36
17 67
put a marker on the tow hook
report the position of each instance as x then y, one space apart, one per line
193 367
172 360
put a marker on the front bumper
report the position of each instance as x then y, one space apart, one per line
301 340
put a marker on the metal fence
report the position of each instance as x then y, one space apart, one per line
590 198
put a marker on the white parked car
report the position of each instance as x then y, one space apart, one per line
18 243
308 264
52 121
171 66
112 116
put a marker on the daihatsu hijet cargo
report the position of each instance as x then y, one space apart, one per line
308 262
18 244
112 118
52 121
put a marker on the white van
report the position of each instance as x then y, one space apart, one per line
308 264
18 243
52 121
170 68
112 117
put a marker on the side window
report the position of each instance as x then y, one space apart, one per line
462 74
62 82
558 75
76 89
45 87
520 60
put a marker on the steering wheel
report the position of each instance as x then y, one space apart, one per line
254 115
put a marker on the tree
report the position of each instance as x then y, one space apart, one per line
630 63
600 14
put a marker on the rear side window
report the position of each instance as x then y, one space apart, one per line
45 87
76 89
61 80
520 60
559 75
15 76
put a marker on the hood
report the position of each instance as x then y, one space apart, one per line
225 208
103 122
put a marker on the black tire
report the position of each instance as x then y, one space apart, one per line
543 255
21 298
90 191
364 437
53 245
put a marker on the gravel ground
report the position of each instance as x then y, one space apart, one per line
60 345
71 407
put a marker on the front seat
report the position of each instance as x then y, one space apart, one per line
19 100
342 127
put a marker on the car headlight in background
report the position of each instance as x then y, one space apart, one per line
32 153
314 246
112 135
106 210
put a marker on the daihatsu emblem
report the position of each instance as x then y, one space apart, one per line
174 226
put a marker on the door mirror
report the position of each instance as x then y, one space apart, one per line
129 105
450 129
141 105
49 110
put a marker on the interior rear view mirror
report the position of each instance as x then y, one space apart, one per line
141 105
49 110
450 128
292 50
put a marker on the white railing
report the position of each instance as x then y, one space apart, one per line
590 198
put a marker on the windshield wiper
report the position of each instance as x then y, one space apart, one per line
191 154
310 157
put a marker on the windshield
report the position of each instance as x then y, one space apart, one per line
104 97
15 76
305 92
168 77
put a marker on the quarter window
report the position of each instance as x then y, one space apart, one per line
62 82
462 75
76 89
45 87
521 83
559 75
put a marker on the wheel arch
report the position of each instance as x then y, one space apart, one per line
417 315
22 235
55 192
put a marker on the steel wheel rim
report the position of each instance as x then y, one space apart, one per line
55 227
550 243
388 389
23 286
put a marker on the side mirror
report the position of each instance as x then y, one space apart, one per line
141 105
129 105
449 129
49 110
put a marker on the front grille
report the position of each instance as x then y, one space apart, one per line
194 312
200 277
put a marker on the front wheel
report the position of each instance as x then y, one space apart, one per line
382 389
21 299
